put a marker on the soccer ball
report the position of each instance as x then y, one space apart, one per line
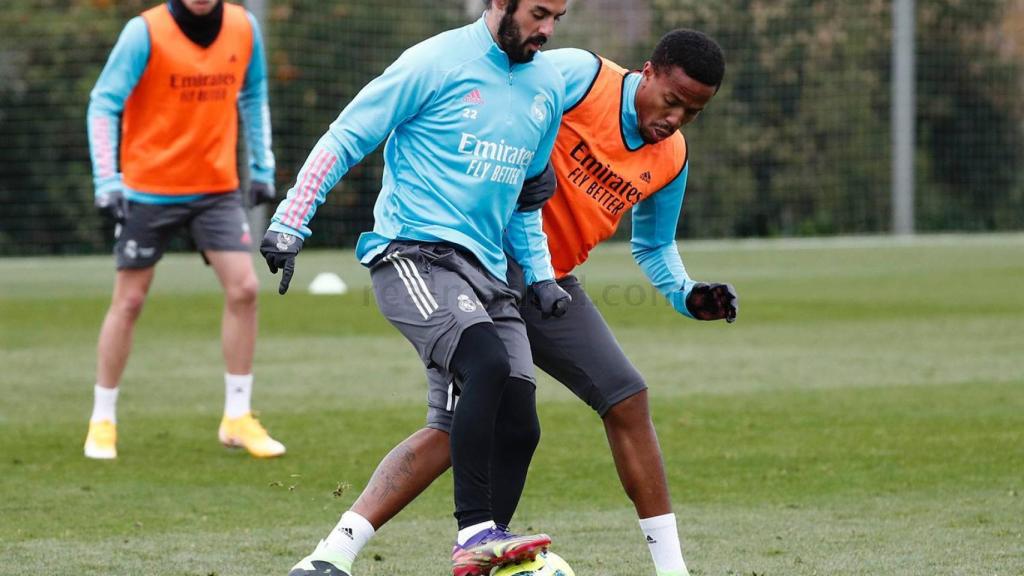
546 564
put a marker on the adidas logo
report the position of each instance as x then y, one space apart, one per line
473 97
651 540
646 177
233 58
348 532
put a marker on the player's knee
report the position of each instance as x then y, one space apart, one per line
526 432
489 369
495 366
520 435
519 424
244 292
481 356
630 411
129 305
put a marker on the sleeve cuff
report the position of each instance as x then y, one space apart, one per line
278 227
264 176
111 185
678 298
545 273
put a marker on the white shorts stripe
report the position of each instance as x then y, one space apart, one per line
420 287
453 399
408 285
415 273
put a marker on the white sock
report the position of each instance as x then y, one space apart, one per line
467 533
104 404
663 540
237 394
349 536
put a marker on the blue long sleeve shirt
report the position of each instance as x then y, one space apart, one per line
464 128
124 68
656 218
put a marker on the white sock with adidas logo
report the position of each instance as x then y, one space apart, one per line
663 540
350 535
237 394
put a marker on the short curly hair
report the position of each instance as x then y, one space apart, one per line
692 51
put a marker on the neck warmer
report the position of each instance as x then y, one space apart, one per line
202 30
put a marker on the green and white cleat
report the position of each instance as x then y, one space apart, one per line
322 562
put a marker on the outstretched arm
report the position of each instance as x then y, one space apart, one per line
393 97
654 249
390 99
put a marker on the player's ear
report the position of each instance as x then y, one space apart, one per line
647 70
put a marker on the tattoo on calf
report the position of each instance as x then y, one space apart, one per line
396 467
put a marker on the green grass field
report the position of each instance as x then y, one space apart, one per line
865 415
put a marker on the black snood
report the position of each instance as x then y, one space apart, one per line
202 30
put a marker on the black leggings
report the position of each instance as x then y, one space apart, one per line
494 430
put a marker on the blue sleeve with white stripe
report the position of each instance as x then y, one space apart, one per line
654 242
121 73
253 103
387 101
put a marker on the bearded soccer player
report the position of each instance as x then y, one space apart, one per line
163 133
619 151
470 116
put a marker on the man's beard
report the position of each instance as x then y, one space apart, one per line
509 36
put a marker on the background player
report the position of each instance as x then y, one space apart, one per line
163 132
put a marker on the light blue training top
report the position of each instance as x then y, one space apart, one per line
656 217
122 72
464 127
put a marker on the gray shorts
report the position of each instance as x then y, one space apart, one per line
214 222
432 293
579 350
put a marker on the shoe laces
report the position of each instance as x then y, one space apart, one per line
490 535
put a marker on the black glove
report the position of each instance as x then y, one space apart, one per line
260 193
713 302
537 190
280 249
112 205
549 298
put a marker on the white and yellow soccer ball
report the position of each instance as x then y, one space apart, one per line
546 564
